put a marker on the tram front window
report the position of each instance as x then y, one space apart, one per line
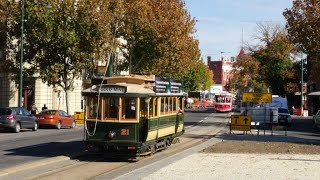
111 107
129 108
92 107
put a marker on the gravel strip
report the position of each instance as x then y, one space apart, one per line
241 166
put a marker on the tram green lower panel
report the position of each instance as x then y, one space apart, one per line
111 132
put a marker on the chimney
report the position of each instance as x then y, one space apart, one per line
208 60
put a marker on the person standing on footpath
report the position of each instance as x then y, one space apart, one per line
44 107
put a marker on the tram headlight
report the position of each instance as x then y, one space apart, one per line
111 135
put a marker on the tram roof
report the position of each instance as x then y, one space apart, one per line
124 88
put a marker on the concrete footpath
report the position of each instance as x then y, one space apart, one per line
192 164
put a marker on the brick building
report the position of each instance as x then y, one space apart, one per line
222 70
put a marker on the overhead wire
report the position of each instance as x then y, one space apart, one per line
102 80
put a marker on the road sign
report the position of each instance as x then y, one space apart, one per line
240 123
79 117
257 97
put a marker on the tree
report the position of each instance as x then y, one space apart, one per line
245 72
60 40
269 66
303 28
273 56
303 25
159 38
198 78
9 12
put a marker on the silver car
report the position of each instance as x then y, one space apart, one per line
316 120
16 118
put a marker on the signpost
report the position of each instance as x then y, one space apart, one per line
257 97
240 123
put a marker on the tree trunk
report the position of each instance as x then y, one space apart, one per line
67 100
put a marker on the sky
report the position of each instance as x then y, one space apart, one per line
222 24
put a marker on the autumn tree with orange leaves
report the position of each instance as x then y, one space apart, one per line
159 38
268 66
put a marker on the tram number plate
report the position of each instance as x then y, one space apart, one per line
124 132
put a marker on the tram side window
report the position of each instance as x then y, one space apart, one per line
153 107
151 113
111 107
93 107
143 107
162 110
169 105
174 104
155 103
129 108
166 105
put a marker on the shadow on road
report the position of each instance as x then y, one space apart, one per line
47 149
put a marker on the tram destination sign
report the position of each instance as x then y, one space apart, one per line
112 89
257 97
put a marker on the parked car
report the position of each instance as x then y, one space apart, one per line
17 118
56 118
316 120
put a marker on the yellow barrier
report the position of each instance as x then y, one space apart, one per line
79 117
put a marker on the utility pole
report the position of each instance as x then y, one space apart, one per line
21 55
222 52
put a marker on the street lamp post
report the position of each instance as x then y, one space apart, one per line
21 54
222 52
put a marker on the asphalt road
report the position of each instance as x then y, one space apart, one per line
28 146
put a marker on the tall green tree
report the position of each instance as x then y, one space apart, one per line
200 77
274 57
9 12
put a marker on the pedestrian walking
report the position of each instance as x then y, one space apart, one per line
34 109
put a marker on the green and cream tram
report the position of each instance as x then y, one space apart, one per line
134 114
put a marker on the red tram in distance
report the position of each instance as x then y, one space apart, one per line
223 102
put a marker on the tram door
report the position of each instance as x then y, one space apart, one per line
179 119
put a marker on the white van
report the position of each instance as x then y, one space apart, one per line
284 116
